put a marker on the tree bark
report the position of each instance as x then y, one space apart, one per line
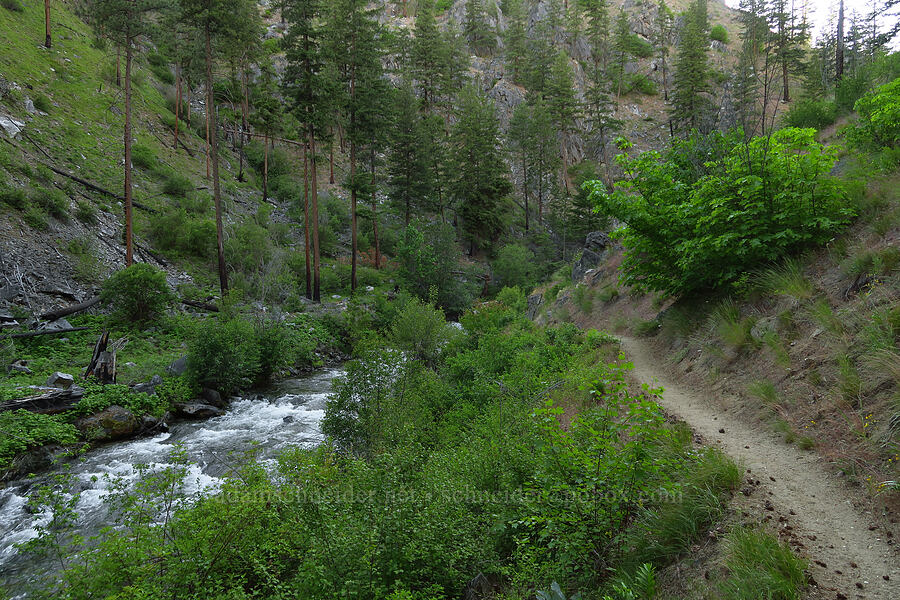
266 166
375 216
353 240
839 46
129 250
177 102
52 315
209 94
118 69
315 215
306 221
47 40
331 162
214 149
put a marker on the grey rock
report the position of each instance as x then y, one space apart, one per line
535 301
8 292
62 381
149 387
114 423
288 419
20 366
178 367
150 423
211 396
595 249
198 410
11 127
56 325
762 327
29 106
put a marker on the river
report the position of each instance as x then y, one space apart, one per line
288 414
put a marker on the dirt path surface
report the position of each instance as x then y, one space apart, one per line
847 559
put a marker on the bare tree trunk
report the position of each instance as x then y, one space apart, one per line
209 94
245 106
214 149
306 221
177 102
525 189
266 166
317 296
331 162
353 240
839 49
188 83
118 69
375 216
47 40
129 256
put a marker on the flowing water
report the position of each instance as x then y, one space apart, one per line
286 415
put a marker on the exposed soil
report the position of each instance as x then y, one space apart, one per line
850 555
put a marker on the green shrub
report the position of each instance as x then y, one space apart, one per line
137 294
514 266
719 33
514 298
175 231
22 429
879 118
42 103
85 212
35 218
224 355
52 201
420 330
86 264
14 197
638 82
13 5
99 397
710 210
850 89
811 113
176 184
639 47
144 158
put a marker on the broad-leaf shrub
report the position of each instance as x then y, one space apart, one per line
711 209
879 118
137 294
22 429
811 113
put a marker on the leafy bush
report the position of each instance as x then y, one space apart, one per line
879 118
36 218
641 83
719 33
639 47
13 5
514 298
420 330
175 231
42 103
53 201
99 397
14 197
811 113
514 266
176 184
224 355
22 429
850 89
712 209
137 294
143 157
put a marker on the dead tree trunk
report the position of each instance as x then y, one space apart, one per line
103 361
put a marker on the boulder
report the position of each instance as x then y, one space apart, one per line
148 387
535 301
288 419
113 423
20 366
11 127
595 249
56 325
212 397
198 410
150 424
61 381
178 367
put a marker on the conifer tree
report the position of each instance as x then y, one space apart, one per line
515 38
621 49
691 83
123 21
480 186
662 39
408 168
532 137
478 33
427 54
597 12
562 105
307 86
267 116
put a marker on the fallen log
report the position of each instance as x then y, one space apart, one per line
85 182
69 310
29 334
202 305
52 402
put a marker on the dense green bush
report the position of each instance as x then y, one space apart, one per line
638 82
639 47
22 429
851 88
52 201
176 231
13 5
719 33
514 266
35 218
176 184
42 103
99 397
420 330
85 212
137 294
879 118
712 209
14 197
811 113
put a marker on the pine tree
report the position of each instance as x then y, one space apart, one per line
123 21
532 138
306 84
621 49
427 54
478 33
691 83
267 116
515 38
409 172
597 12
662 39
562 105
480 186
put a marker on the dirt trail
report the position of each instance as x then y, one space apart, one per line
834 533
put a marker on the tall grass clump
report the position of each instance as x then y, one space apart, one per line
764 390
761 567
786 279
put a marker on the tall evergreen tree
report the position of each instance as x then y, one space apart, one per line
532 134
267 116
515 38
480 187
691 83
562 105
662 39
597 13
621 49
123 21
408 167
478 32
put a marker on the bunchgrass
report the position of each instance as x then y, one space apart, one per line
761 567
786 279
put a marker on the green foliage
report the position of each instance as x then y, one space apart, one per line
879 118
719 33
698 222
51 200
14 197
638 82
143 157
515 266
809 112
36 218
851 88
42 103
420 330
513 298
178 185
137 294
22 429
224 355
12 5
98 397
786 279
85 212
177 231
761 567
